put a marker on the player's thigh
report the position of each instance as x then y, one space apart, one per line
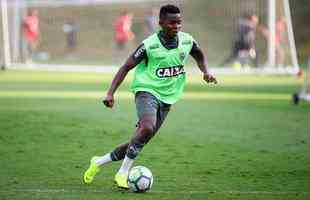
162 114
147 107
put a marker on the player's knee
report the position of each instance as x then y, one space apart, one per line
147 127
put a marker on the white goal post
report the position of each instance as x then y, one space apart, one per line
5 35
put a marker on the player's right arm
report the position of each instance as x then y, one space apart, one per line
130 63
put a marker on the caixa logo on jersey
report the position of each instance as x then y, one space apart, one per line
170 71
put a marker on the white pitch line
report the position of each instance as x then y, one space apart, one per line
62 190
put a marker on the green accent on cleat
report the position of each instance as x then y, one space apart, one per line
92 170
121 180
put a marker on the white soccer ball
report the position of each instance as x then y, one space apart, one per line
140 179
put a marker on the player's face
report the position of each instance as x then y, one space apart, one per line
171 24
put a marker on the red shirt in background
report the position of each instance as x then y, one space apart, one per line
280 29
122 29
31 28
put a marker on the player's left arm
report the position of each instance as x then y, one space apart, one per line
201 60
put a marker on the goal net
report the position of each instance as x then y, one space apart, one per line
82 33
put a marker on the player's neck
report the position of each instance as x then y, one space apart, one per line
166 37
168 42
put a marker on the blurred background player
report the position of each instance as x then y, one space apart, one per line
279 40
30 28
243 49
71 30
123 33
158 83
151 22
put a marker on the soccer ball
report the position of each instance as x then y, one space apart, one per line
140 179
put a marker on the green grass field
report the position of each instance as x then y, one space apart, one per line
241 139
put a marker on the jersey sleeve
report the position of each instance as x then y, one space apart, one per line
139 54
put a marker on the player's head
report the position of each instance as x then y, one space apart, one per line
170 19
32 12
252 18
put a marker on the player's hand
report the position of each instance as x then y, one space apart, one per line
209 78
109 101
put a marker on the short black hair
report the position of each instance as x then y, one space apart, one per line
168 9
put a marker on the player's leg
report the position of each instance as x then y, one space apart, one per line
97 161
256 58
28 52
140 138
228 60
253 56
234 55
147 107
119 152
162 114
280 56
151 114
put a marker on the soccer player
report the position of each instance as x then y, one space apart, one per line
244 45
151 22
122 27
279 39
31 32
158 83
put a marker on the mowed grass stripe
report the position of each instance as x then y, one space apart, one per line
129 95
106 78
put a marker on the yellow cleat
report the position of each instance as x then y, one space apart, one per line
92 170
121 180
